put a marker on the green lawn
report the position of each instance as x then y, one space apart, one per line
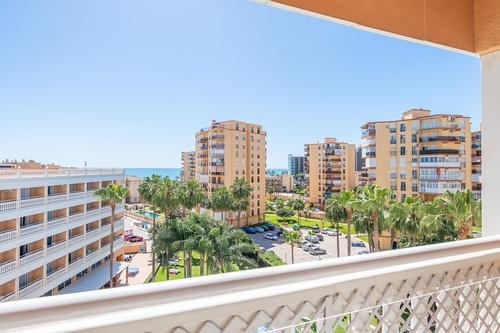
161 275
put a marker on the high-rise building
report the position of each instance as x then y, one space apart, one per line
188 170
54 230
476 162
229 150
329 169
295 164
420 155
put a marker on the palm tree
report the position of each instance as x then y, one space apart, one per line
167 199
115 194
221 200
459 207
148 191
191 194
335 211
374 199
346 199
241 192
298 205
201 239
292 238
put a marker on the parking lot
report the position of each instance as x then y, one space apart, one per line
283 250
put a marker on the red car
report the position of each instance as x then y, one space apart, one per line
133 238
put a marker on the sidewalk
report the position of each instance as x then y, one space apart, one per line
143 261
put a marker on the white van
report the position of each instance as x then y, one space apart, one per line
128 232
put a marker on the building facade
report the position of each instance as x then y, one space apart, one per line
329 169
188 167
53 230
476 161
229 150
133 183
421 155
295 164
279 184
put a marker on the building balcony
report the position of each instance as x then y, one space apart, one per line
31 289
456 139
443 125
442 177
368 132
450 287
439 152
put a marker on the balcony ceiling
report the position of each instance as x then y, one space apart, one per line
470 26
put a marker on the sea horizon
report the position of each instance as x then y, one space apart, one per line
172 173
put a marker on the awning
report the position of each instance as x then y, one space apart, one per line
95 279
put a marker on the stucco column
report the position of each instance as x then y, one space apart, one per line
490 81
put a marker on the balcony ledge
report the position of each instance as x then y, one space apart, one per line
276 296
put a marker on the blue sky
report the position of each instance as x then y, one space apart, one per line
128 83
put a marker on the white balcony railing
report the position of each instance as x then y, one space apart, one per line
76 195
56 247
92 257
46 173
32 202
57 198
8 266
76 239
32 289
76 263
7 206
7 236
54 275
56 222
8 298
76 217
30 258
451 287
32 229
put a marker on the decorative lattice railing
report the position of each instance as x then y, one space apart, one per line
448 288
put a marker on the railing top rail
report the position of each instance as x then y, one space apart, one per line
279 284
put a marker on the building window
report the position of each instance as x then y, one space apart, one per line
393 139
413 138
414 151
403 186
402 151
414 174
402 138
402 127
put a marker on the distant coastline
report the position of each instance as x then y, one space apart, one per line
172 173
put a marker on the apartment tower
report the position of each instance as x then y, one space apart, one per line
329 169
229 150
476 161
420 155
188 170
54 231
295 164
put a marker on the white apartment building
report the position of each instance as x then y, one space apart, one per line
54 231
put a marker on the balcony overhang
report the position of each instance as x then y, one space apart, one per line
467 26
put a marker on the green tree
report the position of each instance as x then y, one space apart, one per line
297 205
114 194
201 239
460 207
191 195
284 213
168 200
241 192
373 201
335 211
346 199
292 238
148 190
221 200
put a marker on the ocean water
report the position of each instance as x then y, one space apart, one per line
172 173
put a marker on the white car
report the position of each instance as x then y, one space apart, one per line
308 247
270 236
333 232
312 238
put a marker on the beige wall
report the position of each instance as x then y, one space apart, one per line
133 183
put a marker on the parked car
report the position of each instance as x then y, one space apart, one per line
265 227
270 236
270 225
315 229
302 243
364 252
312 238
332 232
320 237
317 250
259 229
279 233
133 238
174 271
308 247
358 244
324 230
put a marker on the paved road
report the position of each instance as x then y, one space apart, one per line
283 250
